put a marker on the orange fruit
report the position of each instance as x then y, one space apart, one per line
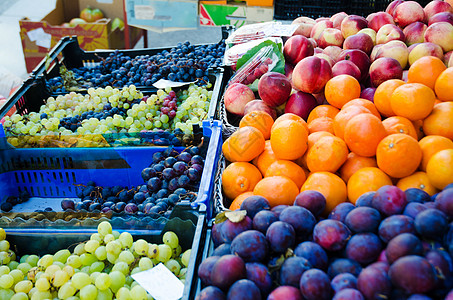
365 103
238 178
322 111
289 139
265 159
426 70
260 120
289 169
341 89
414 101
354 163
321 124
316 136
382 96
328 184
418 125
417 180
236 204
398 155
277 190
327 154
366 180
444 85
243 145
363 133
290 116
432 144
440 168
397 124
440 121
343 117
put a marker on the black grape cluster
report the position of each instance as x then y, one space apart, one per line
183 63
172 177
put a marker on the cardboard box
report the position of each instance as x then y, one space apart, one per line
38 37
162 15
237 15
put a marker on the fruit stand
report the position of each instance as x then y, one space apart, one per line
308 157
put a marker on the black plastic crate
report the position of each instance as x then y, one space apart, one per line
291 9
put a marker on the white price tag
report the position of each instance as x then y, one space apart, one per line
160 282
144 12
164 83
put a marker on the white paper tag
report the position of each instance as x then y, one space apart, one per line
144 12
160 282
42 38
163 83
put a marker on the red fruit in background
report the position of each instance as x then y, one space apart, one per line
353 24
337 18
333 52
91 14
392 6
383 69
379 19
414 33
361 41
319 28
441 17
274 88
346 67
408 12
236 97
311 74
330 37
296 48
435 7
359 58
259 105
289 70
301 104
368 93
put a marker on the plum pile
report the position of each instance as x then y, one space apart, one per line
183 63
392 244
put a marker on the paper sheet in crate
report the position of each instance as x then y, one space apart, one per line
237 15
162 15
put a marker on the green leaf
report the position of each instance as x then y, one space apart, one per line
220 217
277 50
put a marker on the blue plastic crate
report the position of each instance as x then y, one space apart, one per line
55 172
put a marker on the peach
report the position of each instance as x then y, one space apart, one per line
274 88
388 33
370 32
379 19
375 51
301 104
305 26
289 68
337 18
296 48
394 49
440 33
425 49
405 75
447 57
435 7
311 74
330 37
333 52
313 42
383 69
414 33
359 58
326 57
236 97
360 41
441 17
408 12
450 62
259 105
352 24
392 6
346 67
318 50
319 27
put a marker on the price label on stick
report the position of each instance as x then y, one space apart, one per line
160 282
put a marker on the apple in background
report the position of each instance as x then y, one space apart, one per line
333 52
76 21
311 74
361 41
259 105
296 48
414 33
368 93
352 24
394 49
305 26
301 104
274 88
440 33
346 67
392 6
236 97
408 12
370 32
447 57
388 33
425 49
326 57
337 18
330 37
319 28
383 69
435 7
379 19
441 17
359 58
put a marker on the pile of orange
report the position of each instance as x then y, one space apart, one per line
352 145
